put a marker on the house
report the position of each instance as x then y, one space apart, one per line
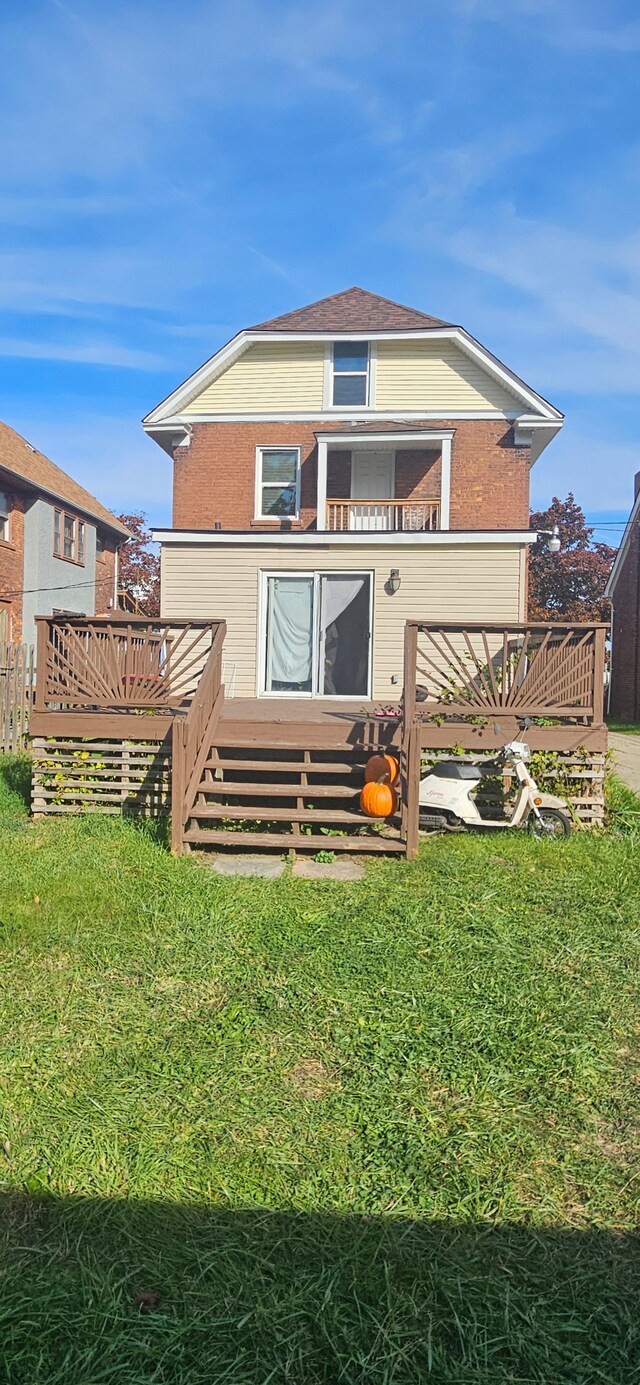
58 544
338 471
623 589
346 575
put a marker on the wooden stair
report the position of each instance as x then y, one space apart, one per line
298 791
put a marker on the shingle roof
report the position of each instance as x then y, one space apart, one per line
353 310
20 459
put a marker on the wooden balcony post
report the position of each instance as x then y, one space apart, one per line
42 643
410 673
598 674
178 786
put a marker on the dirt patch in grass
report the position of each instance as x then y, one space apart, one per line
310 1078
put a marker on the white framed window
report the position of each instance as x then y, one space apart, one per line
277 482
4 516
68 537
350 374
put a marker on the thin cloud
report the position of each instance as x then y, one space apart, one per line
83 353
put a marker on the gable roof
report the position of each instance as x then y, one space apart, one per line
619 560
20 459
352 310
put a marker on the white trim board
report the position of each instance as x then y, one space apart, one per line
316 538
182 423
214 367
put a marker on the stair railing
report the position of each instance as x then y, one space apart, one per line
191 739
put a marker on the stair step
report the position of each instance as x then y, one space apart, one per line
264 813
288 842
293 737
228 786
287 766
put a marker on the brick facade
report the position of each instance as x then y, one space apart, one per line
214 478
12 566
105 578
624 702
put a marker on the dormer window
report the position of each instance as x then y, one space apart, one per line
350 373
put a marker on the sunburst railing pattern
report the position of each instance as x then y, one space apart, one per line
463 671
123 662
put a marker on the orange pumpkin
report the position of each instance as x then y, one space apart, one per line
378 800
381 769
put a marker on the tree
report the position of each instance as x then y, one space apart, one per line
139 567
568 585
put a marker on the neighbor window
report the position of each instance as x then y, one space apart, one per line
100 544
68 537
278 482
4 515
350 373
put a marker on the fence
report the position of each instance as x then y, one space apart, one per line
17 682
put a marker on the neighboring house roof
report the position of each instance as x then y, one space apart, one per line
634 518
23 461
353 310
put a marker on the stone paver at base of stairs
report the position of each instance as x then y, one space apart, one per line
329 870
269 867
626 749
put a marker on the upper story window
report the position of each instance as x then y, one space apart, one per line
277 482
4 515
100 544
68 537
350 373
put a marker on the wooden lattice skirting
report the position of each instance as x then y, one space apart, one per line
579 777
82 776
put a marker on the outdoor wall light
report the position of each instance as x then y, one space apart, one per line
393 584
553 538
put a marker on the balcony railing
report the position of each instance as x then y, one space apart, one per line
387 515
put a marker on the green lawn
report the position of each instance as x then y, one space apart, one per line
264 1132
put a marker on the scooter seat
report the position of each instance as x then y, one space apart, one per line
451 769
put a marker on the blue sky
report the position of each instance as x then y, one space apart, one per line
173 170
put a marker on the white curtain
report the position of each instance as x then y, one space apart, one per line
337 594
290 632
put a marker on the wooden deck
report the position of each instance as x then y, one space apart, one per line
286 772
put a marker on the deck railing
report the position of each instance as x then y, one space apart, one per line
192 738
119 662
389 515
463 671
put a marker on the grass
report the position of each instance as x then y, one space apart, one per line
631 728
258 1131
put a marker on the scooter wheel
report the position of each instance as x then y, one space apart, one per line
550 822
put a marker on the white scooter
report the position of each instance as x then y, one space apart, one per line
447 796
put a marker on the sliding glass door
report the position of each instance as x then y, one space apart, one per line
318 634
290 634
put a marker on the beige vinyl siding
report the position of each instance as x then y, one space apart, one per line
435 375
266 378
455 582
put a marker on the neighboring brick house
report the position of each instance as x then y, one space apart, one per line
623 588
58 544
337 471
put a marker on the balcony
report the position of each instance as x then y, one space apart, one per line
375 516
